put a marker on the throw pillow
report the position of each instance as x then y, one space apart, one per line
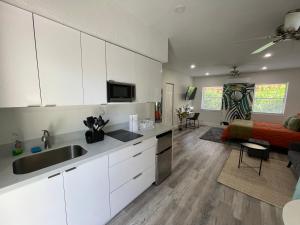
294 124
286 122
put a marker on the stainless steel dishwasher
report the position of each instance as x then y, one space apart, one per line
164 155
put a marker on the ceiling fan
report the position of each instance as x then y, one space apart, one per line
234 72
290 30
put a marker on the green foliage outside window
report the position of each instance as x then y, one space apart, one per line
270 98
212 98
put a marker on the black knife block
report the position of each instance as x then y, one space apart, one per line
93 136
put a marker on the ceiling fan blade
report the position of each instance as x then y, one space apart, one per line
264 47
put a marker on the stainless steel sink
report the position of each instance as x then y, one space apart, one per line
42 160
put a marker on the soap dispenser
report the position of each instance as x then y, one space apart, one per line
18 149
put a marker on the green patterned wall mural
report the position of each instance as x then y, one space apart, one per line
237 101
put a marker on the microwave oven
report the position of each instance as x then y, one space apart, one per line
120 92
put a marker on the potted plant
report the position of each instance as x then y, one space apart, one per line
181 113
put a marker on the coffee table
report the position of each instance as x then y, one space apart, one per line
290 213
253 147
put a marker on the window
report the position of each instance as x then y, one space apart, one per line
270 98
212 98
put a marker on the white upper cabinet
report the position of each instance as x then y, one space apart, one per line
19 82
129 67
120 64
94 70
155 74
141 78
147 78
87 193
59 61
41 202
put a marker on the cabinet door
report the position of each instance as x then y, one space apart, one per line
87 193
41 202
19 82
59 60
155 74
94 70
141 78
147 78
120 64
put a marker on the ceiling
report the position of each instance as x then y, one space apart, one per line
213 34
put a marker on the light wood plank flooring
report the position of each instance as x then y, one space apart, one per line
192 196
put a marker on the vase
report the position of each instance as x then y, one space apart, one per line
180 126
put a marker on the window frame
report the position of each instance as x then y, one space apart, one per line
202 97
271 113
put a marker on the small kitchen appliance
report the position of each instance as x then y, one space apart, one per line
120 92
164 155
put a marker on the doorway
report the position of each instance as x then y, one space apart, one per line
168 104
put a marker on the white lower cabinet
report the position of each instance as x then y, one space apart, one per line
91 193
87 193
132 175
128 169
41 202
128 192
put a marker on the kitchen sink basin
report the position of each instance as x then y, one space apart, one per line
42 160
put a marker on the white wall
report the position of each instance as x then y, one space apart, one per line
280 76
28 123
181 82
104 19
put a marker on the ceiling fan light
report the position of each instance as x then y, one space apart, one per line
268 55
292 21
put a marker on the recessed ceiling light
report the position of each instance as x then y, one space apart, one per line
264 68
267 55
207 74
193 66
179 9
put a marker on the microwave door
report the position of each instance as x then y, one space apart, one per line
120 92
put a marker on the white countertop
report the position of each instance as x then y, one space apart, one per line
10 181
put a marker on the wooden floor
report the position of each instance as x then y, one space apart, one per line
192 196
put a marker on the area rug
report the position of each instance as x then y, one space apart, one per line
275 185
213 134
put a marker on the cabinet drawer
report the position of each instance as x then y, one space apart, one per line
128 152
128 192
143 145
126 170
120 156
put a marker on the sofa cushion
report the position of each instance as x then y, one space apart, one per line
294 124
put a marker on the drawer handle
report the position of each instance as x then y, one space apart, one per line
68 170
137 154
137 143
140 174
54 175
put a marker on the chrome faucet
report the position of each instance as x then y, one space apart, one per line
46 139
